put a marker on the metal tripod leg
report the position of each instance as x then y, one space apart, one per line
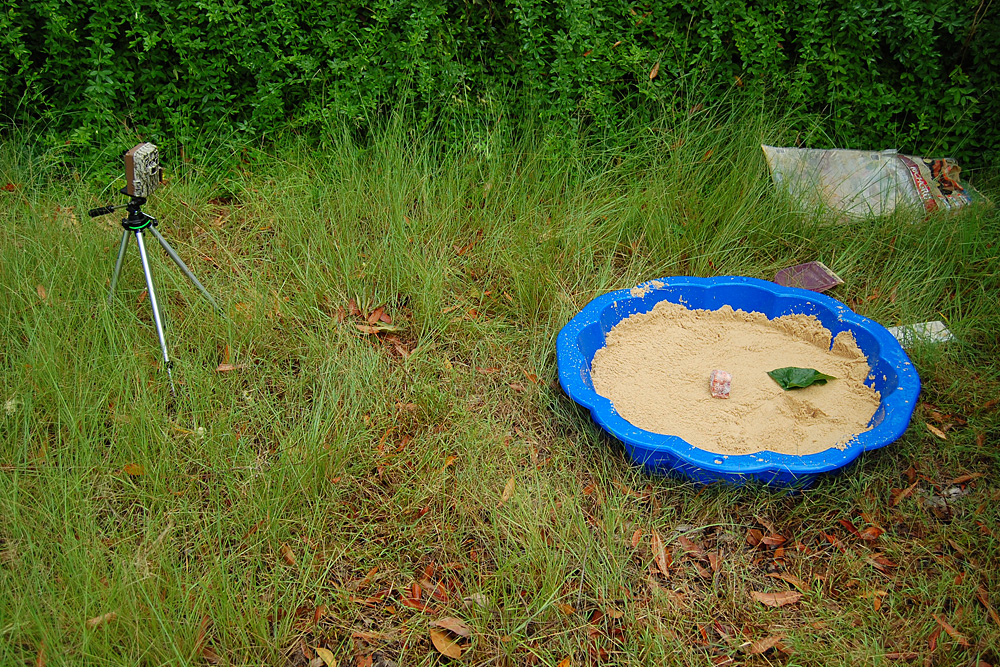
118 265
183 267
156 308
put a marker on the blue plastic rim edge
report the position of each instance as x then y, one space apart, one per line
893 376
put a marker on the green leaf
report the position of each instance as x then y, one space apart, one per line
793 377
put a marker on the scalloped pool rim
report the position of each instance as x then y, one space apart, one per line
667 453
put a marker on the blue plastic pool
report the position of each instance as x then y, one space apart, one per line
892 375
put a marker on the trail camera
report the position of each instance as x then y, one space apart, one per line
142 170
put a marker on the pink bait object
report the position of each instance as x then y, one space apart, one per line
719 383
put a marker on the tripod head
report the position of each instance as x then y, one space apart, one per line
136 220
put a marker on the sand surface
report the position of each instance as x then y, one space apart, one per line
655 370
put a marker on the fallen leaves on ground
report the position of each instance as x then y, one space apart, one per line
326 655
952 632
455 625
985 601
287 554
508 491
661 556
936 431
134 469
40 290
445 644
764 645
779 599
870 533
791 579
225 368
98 621
690 546
897 497
653 73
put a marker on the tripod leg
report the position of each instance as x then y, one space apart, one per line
183 267
156 308
118 265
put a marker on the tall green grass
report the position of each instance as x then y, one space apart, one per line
336 443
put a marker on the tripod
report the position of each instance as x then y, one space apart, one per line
138 223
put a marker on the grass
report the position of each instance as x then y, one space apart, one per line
302 499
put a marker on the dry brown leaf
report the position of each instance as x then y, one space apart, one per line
791 579
365 329
779 599
199 641
653 73
773 540
211 657
375 315
363 661
508 491
966 478
352 308
287 554
849 526
932 639
565 662
714 560
42 294
898 498
870 533
754 536
225 368
319 613
764 645
450 460
690 546
661 556
326 655
906 656
566 608
701 570
880 563
952 632
936 431
984 600
40 656
134 469
456 625
518 387
636 536
98 621
445 644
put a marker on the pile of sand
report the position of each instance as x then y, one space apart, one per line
655 369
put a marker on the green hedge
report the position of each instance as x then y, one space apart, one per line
919 75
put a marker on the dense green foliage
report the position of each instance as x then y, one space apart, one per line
914 74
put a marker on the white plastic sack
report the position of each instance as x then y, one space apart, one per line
861 184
